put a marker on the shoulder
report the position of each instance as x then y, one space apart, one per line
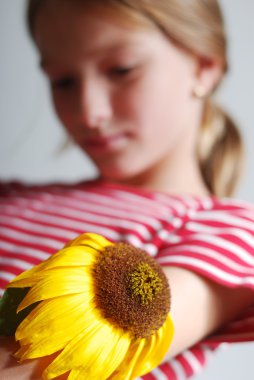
216 239
225 213
231 205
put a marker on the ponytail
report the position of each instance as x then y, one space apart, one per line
219 151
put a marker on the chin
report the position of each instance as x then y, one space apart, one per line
118 174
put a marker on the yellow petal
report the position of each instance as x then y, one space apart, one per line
53 315
92 240
104 365
95 353
146 354
165 336
156 348
71 257
142 365
68 257
84 250
19 354
52 325
57 282
17 282
75 374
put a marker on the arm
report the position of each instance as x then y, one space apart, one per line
200 306
9 367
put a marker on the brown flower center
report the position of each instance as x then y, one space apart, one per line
131 290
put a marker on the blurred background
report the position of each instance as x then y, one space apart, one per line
31 138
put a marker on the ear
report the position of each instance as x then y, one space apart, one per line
207 76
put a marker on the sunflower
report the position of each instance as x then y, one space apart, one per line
102 308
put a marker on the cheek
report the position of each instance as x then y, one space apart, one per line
149 104
65 114
165 101
64 109
159 110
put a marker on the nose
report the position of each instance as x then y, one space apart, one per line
94 104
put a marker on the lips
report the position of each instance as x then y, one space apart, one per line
111 142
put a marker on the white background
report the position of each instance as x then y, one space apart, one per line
31 137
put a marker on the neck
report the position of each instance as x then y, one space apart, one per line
177 178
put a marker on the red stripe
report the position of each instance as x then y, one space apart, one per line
168 371
186 365
3 283
149 376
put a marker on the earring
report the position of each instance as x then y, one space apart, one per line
200 92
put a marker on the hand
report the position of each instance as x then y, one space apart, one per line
10 369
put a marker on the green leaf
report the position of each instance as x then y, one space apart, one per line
9 318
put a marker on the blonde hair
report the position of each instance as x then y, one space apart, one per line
198 27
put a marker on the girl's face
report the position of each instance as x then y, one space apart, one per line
125 95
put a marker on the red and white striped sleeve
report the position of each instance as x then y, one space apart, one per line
218 243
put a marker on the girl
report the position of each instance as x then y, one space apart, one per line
131 81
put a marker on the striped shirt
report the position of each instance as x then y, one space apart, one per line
213 237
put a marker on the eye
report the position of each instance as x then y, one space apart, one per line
62 83
121 71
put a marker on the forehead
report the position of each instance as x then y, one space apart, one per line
71 30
